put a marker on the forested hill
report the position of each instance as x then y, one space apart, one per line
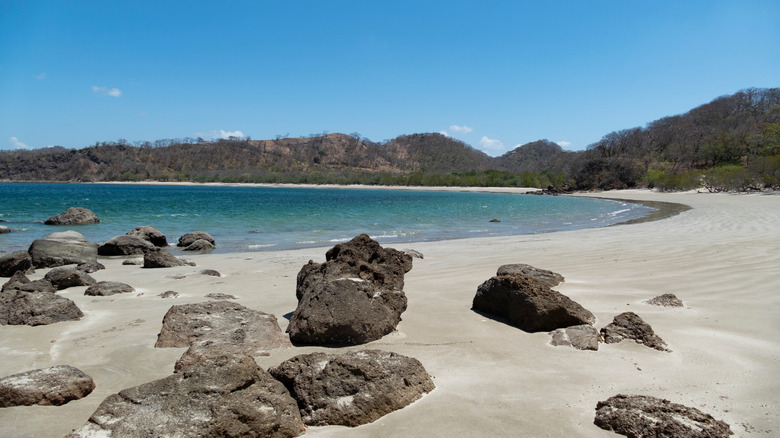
732 142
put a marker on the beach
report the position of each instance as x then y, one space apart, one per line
720 258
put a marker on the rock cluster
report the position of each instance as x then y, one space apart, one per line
355 297
352 388
196 241
25 302
73 216
49 386
645 417
629 325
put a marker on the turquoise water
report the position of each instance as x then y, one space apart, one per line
247 218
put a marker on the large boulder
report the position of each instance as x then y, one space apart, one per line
550 278
187 239
64 248
352 388
18 307
221 396
529 304
125 245
223 324
106 288
65 277
162 259
150 234
643 416
73 216
53 386
355 297
628 325
14 262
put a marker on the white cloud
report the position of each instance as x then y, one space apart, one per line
460 129
41 76
563 143
16 144
489 144
105 91
444 133
217 134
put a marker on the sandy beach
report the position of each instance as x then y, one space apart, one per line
721 258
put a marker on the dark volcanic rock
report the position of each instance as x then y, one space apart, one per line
219 324
200 245
549 278
529 304
150 234
14 262
64 248
162 259
666 300
219 396
73 216
65 277
187 239
581 337
352 388
649 417
49 386
18 307
125 245
629 325
106 288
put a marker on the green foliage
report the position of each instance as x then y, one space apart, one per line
668 182
728 178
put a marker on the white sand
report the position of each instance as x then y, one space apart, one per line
722 258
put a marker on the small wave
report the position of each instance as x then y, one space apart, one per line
265 245
617 212
306 242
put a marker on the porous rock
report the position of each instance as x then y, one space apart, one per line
187 239
162 259
549 278
200 245
125 245
65 277
643 416
352 388
53 386
581 337
529 304
150 234
628 325
73 216
106 288
666 300
18 307
220 296
221 395
63 248
14 262
19 281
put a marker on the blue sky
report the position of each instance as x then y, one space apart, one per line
495 74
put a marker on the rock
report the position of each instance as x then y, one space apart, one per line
354 297
73 216
210 272
581 337
64 248
4 229
549 278
495 220
125 245
352 388
644 417
169 294
106 288
529 304
200 245
162 259
219 396
18 307
14 262
414 253
189 238
228 326
16 280
150 234
133 262
666 300
53 386
629 325
64 277
20 282
90 267
220 296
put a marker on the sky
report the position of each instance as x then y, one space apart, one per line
494 74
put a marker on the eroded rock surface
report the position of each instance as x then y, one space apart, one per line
63 248
19 307
162 259
73 216
65 277
106 288
629 325
352 388
581 337
13 262
49 386
666 300
550 278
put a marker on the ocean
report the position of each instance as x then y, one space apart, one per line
252 218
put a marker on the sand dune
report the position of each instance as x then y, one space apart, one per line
722 258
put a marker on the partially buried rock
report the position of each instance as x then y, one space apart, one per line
222 395
210 272
220 296
219 324
352 388
90 267
666 300
201 245
169 294
73 216
106 288
529 304
187 239
18 307
162 259
629 325
65 277
150 234
125 245
549 278
643 416
581 337
13 262
63 248
53 386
